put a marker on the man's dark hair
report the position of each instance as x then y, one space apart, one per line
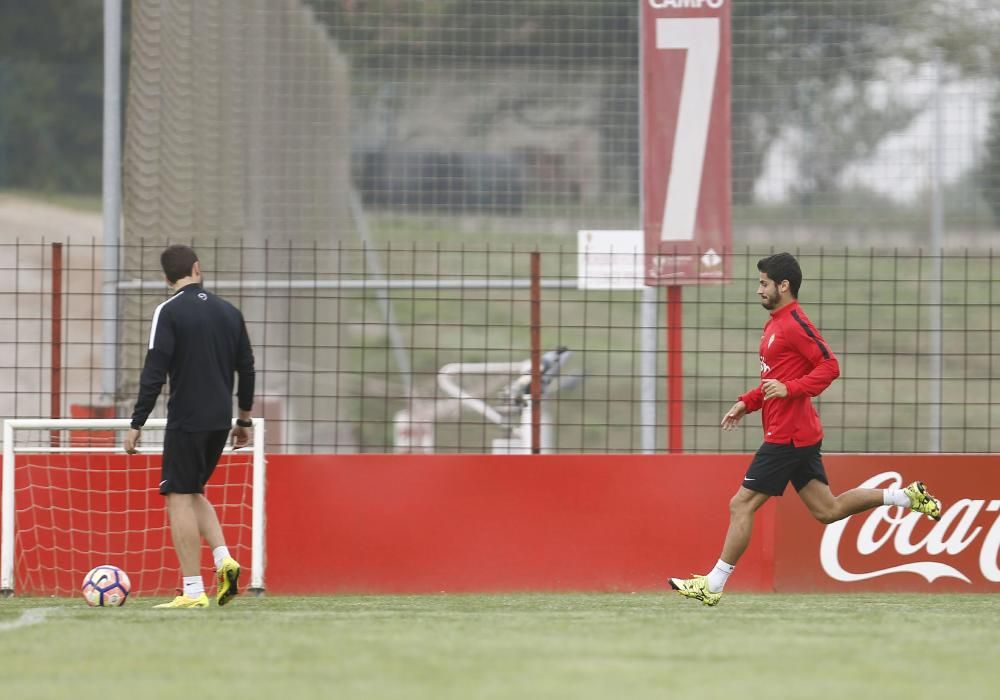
177 261
780 267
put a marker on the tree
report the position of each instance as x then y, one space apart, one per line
796 66
805 67
989 172
51 74
808 68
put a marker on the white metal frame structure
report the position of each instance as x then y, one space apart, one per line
10 449
517 402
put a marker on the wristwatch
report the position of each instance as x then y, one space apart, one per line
248 423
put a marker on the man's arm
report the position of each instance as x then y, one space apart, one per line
154 370
154 374
245 370
812 346
734 415
753 399
746 403
244 388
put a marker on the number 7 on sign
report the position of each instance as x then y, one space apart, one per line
699 36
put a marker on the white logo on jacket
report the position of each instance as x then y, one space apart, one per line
764 367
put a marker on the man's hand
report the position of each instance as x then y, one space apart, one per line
132 441
773 389
240 437
733 415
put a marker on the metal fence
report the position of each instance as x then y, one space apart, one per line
340 166
429 349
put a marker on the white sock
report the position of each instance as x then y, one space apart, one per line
718 576
193 586
220 553
895 497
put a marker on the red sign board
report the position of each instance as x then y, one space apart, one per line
894 549
686 140
420 523
473 522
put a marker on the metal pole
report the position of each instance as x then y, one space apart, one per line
7 514
937 245
648 311
647 368
55 388
257 516
536 352
111 188
675 370
365 284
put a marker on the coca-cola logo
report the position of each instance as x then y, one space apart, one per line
893 528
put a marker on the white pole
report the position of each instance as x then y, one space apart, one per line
7 513
257 517
648 341
380 283
937 246
111 187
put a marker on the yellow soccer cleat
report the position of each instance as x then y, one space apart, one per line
697 588
226 579
182 601
922 501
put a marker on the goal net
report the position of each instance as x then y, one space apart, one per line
72 499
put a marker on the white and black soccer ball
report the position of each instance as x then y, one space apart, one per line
106 586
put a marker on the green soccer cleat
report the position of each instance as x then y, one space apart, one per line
226 579
922 501
182 601
697 588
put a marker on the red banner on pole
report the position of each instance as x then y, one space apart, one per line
685 146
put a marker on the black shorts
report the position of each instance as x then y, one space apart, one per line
775 465
189 459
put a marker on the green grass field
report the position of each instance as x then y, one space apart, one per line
507 646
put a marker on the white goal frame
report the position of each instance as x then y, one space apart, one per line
7 494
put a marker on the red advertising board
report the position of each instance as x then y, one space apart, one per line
892 549
429 523
471 522
685 143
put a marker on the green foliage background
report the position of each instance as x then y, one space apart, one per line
51 83
793 64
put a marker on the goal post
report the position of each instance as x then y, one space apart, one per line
71 499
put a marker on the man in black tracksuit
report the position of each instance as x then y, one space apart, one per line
200 341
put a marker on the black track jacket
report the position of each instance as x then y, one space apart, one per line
200 341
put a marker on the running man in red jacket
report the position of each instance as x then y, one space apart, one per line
795 364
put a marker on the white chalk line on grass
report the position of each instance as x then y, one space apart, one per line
29 617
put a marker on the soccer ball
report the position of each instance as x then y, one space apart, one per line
106 586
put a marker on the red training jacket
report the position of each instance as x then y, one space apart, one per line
793 352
